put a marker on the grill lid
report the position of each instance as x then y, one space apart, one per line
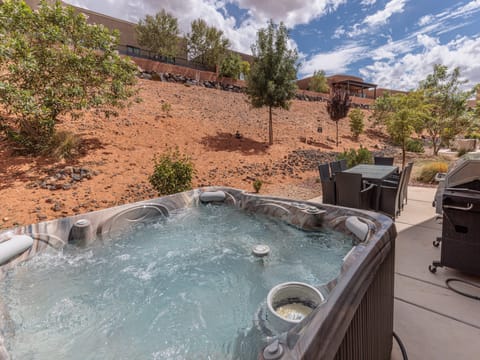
465 172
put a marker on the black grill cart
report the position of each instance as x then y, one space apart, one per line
460 240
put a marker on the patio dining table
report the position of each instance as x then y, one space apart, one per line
374 174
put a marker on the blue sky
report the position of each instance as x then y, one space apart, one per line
393 43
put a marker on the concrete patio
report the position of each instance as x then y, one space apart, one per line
432 321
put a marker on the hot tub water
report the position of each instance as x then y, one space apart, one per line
179 287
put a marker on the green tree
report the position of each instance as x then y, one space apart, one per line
318 82
50 65
357 122
272 76
338 105
159 33
231 66
382 108
206 44
245 69
448 103
402 114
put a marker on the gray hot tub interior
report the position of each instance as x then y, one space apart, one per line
347 297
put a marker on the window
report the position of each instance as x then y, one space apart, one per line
132 50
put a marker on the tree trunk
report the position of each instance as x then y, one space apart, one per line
434 143
270 126
336 122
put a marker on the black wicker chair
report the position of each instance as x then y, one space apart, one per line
350 191
391 193
343 164
408 172
381 160
335 167
328 185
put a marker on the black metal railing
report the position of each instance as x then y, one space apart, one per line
133 51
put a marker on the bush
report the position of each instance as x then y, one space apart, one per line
428 171
355 157
166 107
357 118
461 152
172 173
415 146
64 145
257 185
473 135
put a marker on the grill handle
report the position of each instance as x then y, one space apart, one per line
467 208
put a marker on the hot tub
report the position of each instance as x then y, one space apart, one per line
176 277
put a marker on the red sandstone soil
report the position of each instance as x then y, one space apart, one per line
202 123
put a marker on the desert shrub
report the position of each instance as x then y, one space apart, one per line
257 185
172 172
64 145
428 171
461 152
473 135
355 157
415 146
166 107
357 118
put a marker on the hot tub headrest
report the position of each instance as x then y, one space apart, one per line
358 227
212 196
14 246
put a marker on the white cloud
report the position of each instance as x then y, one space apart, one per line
425 20
427 42
392 49
333 62
291 12
368 2
242 33
468 8
339 32
405 72
381 17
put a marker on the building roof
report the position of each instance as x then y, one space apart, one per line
355 83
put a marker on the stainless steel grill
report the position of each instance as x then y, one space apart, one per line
460 205
464 173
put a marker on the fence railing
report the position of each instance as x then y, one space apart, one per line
177 60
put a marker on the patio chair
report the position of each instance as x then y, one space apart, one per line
381 160
350 191
391 196
394 179
335 167
343 164
408 172
328 185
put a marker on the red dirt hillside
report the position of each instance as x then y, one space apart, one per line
116 154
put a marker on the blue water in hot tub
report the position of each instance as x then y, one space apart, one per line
183 287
